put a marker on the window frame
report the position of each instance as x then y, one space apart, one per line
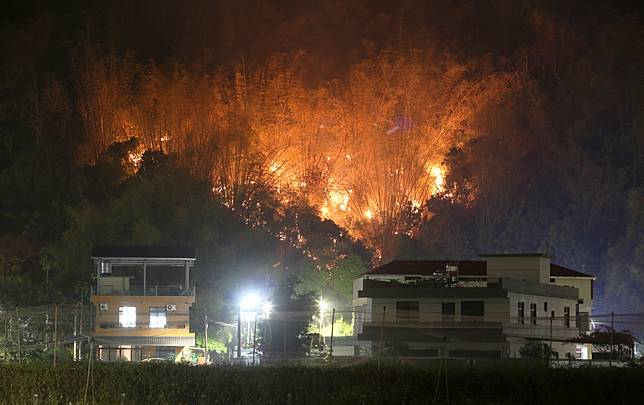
409 314
447 316
468 305
127 320
157 311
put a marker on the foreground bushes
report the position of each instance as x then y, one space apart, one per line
124 383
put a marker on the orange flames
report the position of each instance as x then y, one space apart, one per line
361 153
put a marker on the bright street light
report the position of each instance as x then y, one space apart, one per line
268 308
250 304
323 305
249 301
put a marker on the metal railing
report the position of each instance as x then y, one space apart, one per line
143 325
164 291
430 282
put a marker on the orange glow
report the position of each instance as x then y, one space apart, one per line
438 174
364 150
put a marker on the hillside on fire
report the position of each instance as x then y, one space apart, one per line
306 143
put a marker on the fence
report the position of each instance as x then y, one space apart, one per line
46 333
61 332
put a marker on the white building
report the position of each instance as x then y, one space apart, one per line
473 309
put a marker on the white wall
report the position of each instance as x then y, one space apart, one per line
584 285
530 268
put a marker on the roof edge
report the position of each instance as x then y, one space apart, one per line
536 254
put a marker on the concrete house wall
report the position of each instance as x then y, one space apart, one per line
510 279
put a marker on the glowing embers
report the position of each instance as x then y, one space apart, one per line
336 200
438 175
135 158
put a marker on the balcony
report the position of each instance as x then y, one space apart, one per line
465 287
143 325
433 331
152 291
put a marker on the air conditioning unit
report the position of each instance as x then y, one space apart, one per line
171 307
103 306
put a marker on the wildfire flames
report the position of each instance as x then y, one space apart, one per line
362 152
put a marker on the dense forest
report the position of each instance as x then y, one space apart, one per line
308 141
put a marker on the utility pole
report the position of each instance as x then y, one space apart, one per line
283 338
75 344
55 332
254 338
80 330
19 349
332 323
382 331
6 335
612 332
239 334
552 318
205 320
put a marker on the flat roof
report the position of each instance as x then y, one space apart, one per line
428 267
140 251
466 268
538 254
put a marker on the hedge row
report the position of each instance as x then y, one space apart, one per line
159 383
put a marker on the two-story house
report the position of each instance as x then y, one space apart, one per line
142 298
473 309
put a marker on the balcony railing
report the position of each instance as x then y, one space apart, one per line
143 325
172 291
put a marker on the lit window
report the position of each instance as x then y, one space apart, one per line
157 317
127 317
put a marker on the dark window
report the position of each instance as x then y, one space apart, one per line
583 321
168 353
521 312
448 311
475 354
545 306
533 314
472 308
567 317
407 311
592 285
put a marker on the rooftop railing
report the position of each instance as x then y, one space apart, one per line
492 285
164 291
431 282
143 325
